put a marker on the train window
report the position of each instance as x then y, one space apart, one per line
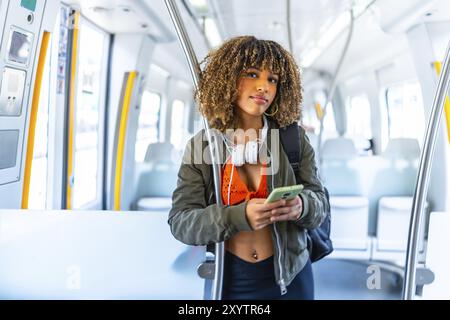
89 110
312 113
148 127
38 180
178 127
358 117
405 112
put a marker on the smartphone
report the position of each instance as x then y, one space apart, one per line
287 193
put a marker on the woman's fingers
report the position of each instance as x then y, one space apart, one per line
267 207
281 210
294 201
264 218
276 204
286 213
285 217
263 224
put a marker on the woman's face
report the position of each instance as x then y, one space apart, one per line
256 91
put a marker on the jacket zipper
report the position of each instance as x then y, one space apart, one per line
281 282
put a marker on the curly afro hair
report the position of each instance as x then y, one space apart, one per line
217 92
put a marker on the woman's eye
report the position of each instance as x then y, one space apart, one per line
273 80
252 74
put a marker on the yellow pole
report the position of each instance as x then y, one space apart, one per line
319 110
33 119
121 140
71 124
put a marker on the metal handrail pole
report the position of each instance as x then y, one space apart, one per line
213 146
420 193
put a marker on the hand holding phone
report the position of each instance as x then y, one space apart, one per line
262 212
286 193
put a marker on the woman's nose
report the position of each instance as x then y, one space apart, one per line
262 86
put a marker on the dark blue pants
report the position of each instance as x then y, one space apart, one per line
256 281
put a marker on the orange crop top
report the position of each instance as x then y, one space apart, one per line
239 191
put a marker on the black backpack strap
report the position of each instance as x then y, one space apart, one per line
319 243
290 140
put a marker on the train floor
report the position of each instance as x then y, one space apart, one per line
348 280
337 279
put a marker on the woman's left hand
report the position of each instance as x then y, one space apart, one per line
291 211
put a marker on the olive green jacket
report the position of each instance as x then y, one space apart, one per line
196 219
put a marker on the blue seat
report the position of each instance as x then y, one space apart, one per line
339 176
156 178
349 206
391 196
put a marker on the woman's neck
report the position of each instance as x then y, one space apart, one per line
246 121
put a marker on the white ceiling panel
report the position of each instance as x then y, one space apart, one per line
381 29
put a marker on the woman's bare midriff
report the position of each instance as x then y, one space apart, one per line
251 246
246 243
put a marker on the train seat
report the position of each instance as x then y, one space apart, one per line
156 178
160 151
349 207
394 215
339 175
349 227
338 148
153 203
391 199
404 148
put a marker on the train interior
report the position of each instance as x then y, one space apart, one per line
96 107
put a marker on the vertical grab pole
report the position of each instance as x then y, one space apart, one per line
213 147
33 119
423 179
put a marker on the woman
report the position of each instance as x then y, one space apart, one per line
250 84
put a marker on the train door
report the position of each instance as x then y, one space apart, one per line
88 134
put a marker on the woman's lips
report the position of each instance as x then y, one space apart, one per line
259 100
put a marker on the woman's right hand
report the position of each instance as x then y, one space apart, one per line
258 212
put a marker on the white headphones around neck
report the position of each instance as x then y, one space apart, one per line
248 153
